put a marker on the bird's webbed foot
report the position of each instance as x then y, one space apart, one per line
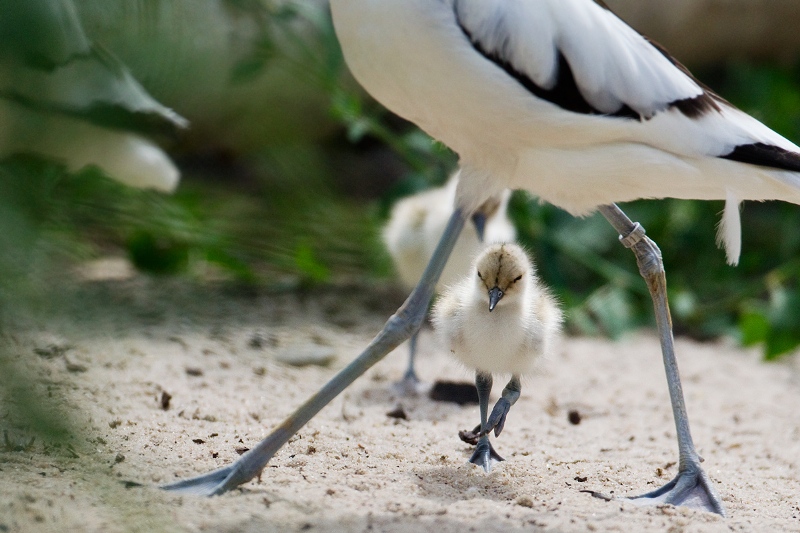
210 484
410 386
484 455
690 488
498 417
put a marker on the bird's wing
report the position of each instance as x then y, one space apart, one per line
581 57
578 55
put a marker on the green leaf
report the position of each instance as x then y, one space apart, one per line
157 254
307 263
95 86
231 264
248 69
780 342
72 75
754 328
42 34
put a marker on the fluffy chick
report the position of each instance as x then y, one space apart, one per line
500 319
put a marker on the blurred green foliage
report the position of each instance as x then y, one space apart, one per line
26 260
274 234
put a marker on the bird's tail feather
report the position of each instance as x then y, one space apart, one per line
729 230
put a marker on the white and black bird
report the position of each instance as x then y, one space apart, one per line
415 226
499 319
563 99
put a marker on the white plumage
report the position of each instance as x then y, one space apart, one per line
562 98
125 156
521 328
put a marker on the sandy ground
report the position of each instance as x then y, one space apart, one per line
353 468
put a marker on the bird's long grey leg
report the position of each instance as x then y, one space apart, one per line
691 487
483 382
411 374
484 455
398 328
411 385
498 417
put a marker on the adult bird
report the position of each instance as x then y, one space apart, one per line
415 226
562 98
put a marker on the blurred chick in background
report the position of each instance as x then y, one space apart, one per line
415 225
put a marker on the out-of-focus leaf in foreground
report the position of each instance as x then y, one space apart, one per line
65 97
48 63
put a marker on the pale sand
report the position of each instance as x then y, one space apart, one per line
355 469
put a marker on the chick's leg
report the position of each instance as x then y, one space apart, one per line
484 455
498 417
410 385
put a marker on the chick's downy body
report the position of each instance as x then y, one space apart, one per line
498 319
518 329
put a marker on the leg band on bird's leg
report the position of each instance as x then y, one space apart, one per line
398 328
497 419
691 487
633 237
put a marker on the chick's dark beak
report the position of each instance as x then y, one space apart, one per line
494 296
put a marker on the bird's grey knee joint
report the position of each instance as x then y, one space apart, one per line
648 256
402 326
